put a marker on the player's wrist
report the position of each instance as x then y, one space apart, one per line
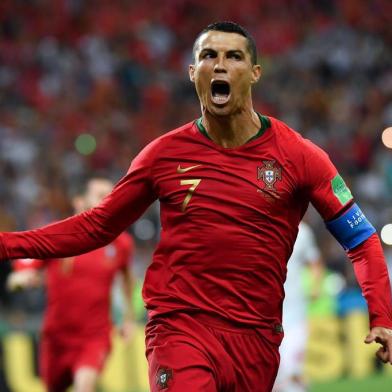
381 322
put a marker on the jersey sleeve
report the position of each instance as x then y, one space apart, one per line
327 190
372 275
94 228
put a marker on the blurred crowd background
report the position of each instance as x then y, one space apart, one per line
85 84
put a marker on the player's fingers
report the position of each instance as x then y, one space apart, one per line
382 354
370 338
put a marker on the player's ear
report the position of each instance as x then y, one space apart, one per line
191 71
256 73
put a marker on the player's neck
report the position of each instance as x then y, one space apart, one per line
233 130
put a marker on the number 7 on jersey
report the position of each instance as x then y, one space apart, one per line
195 182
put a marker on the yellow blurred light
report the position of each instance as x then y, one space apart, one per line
386 234
387 137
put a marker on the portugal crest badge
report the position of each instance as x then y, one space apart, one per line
163 377
269 174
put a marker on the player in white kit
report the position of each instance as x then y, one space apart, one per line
292 350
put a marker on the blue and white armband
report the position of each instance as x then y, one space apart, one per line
351 228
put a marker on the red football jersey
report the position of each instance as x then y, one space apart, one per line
229 219
79 290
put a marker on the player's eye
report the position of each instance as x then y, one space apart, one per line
208 55
235 56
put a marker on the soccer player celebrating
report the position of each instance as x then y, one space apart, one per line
76 334
233 187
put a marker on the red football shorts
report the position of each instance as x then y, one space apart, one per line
198 353
60 361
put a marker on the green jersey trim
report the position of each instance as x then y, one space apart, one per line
264 120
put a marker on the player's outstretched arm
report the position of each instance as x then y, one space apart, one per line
91 229
347 223
372 275
362 244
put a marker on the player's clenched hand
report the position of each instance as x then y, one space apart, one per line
382 336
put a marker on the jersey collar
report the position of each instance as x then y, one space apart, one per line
264 121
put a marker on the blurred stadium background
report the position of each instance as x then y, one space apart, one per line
85 84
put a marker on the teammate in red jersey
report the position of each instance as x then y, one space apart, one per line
75 339
233 187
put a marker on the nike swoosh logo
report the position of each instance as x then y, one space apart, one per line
181 170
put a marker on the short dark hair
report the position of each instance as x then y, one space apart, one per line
230 27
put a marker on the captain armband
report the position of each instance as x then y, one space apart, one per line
351 228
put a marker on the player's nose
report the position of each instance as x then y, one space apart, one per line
220 64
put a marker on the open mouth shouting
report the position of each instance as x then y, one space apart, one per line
220 92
